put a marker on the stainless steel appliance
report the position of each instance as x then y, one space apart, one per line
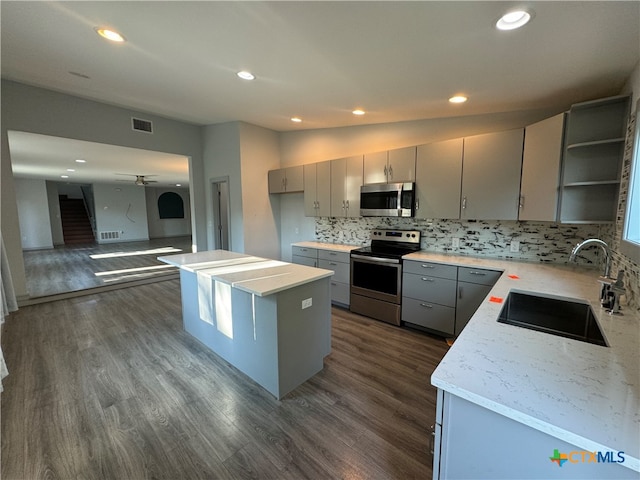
388 200
376 274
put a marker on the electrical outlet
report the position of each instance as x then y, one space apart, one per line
297 230
455 242
307 302
515 246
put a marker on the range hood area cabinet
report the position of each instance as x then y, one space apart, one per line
285 180
317 189
390 166
346 180
541 169
592 160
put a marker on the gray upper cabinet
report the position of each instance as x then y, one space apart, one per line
438 179
375 167
402 165
397 165
541 170
346 180
317 189
492 166
592 160
284 180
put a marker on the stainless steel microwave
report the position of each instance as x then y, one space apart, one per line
388 200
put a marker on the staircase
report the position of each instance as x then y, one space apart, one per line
76 227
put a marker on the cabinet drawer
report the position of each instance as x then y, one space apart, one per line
341 269
478 275
429 315
344 257
305 252
431 269
308 261
340 293
431 289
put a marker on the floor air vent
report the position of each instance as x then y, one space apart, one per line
141 125
109 235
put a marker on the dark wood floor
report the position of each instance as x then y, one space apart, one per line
72 268
108 386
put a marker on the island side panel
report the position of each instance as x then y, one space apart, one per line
199 324
304 334
482 444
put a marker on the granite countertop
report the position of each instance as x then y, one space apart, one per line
338 247
255 275
584 394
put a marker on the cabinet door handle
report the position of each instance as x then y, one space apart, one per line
432 446
521 204
417 204
347 204
334 284
427 279
385 170
426 305
332 263
390 172
333 253
464 203
343 205
460 292
477 273
428 266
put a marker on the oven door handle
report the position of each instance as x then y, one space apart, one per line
369 259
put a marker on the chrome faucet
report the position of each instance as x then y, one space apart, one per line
601 244
611 289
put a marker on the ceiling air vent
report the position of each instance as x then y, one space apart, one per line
140 125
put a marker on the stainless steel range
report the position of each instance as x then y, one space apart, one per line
376 274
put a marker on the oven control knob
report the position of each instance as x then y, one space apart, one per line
413 235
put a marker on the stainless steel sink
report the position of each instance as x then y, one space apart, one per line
568 318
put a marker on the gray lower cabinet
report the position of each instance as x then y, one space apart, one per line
442 298
338 261
429 296
474 285
304 256
474 442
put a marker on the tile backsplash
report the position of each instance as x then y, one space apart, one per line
538 241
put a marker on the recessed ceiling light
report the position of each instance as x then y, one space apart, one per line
64 176
79 160
71 169
111 35
358 111
458 99
296 119
514 19
246 75
178 184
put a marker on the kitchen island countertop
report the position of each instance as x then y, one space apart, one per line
255 275
584 394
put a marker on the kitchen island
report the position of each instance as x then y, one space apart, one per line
269 319
510 397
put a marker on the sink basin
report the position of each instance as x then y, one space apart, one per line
570 318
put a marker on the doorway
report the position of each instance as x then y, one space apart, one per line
221 228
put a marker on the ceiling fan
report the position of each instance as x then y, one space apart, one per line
140 179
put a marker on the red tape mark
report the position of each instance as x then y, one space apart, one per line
496 299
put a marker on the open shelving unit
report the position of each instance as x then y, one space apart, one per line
592 160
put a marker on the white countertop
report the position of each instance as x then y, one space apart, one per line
255 275
336 247
584 394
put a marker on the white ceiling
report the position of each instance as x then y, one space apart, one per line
397 60
45 157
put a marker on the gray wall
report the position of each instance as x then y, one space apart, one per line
36 110
122 209
33 212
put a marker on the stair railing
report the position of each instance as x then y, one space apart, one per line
89 206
